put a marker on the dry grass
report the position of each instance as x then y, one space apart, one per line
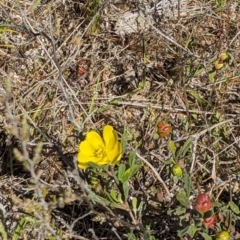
70 66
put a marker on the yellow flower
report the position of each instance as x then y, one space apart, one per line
98 150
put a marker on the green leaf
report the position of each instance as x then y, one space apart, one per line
169 161
200 99
211 76
131 158
184 149
113 195
175 179
189 40
194 116
183 199
98 199
141 207
134 204
125 189
187 184
180 210
187 145
206 236
119 198
192 230
182 232
22 225
131 236
35 4
142 84
3 232
124 139
121 171
126 175
134 169
129 173
234 207
172 147
152 237
116 205
198 71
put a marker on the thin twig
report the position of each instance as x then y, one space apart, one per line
163 107
234 38
156 173
196 137
174 42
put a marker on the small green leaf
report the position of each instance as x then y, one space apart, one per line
126 175
187 184
194 116
121 171
134 169
125 190
134 204
119 198
184 149
129 173
142 84
180 210
113 195
211 76
234 207
155 136
131 236
183 199
169 161
141 207
172 147
182 232
3 232
198 71
131 158
175 179
124 139
200 99
192 230
206 236
35 5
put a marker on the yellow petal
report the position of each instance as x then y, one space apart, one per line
88 149
91 144
115 154
110 137
84 158
102 161
82 165
94 138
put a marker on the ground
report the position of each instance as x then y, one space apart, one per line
69 67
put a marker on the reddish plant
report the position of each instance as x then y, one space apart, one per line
210 222
81 70
164 129
203 203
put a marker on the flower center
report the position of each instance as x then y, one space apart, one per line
100 152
